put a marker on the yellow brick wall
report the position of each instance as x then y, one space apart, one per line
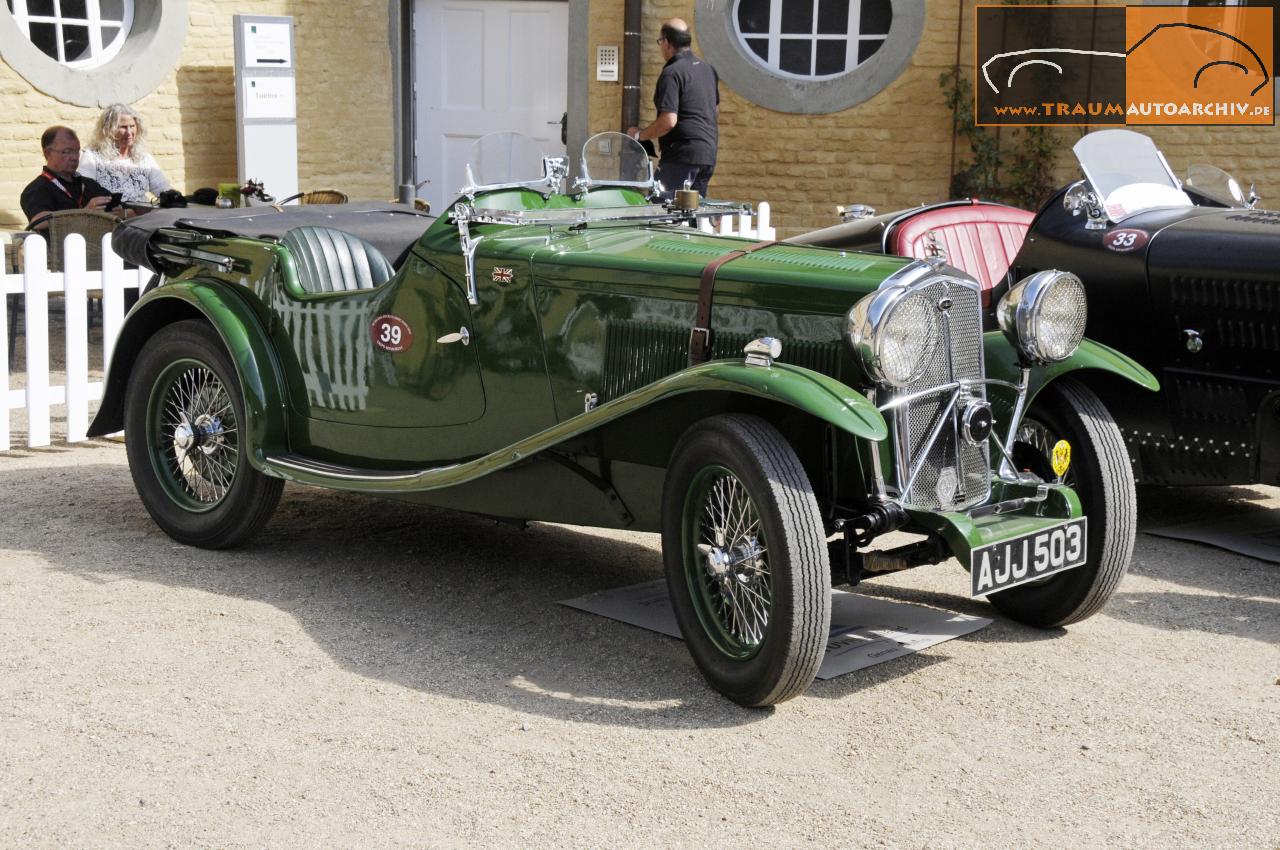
891 151
605 99
345 133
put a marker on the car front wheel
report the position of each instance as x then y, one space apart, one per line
185 437
1102 477
746 560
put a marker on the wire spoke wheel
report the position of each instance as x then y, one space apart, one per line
1033 450
728 562
196 440
185 432
746 559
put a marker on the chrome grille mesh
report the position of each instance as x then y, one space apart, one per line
955 474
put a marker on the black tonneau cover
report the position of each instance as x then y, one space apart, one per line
391 228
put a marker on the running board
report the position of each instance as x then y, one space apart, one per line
302 468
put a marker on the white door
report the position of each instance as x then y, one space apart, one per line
484 66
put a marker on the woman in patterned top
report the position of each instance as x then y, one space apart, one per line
117 157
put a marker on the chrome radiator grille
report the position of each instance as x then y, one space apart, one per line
955 474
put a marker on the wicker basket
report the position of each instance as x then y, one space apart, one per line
90 224
320 196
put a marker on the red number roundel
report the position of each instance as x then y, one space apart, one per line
1125 239
391 333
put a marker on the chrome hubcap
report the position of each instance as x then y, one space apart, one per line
198 423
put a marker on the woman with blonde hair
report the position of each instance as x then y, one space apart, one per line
117 156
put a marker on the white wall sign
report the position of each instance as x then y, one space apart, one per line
266 103
269 97
267 45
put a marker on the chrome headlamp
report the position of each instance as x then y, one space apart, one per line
1044 315
894 332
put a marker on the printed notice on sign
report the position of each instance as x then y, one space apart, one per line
268 97
267 46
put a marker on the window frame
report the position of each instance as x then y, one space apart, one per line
852 37
146 55
739 67
97 53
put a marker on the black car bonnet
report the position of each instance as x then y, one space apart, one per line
391 228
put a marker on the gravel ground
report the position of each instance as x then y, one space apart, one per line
371 674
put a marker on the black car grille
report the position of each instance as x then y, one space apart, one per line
1254 296
639 352
950 458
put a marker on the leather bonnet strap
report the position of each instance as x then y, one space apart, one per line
700 336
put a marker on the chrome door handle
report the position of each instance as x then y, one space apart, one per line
463 336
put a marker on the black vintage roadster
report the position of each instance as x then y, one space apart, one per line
1182 275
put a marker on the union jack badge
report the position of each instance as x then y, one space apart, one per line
502 274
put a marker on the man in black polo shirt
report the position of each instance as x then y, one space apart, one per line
59 187
687 98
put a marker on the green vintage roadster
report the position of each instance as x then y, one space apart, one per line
583 354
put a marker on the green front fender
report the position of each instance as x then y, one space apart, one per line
813 392
223 307
1002 364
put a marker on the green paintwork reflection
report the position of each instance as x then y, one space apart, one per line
817 394
348 378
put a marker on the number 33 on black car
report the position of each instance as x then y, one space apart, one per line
574 351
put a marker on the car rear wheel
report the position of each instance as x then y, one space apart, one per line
1102 477
184 433
746 560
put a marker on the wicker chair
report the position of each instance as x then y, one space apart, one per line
91 224
320 196
12 243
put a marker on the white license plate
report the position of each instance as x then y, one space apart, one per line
1031 557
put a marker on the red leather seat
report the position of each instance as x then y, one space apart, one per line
981 239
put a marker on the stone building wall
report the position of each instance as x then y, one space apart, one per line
344 109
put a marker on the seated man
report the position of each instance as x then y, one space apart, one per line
59 187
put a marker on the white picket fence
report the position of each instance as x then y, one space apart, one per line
37 283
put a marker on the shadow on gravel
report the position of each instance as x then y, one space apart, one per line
1245 600
466 608
445 603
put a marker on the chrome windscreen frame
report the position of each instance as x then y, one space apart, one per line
554 171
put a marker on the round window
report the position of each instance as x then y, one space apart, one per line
809 56
75 33
812 39
93 52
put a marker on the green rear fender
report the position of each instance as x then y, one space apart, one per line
241 331
1002 364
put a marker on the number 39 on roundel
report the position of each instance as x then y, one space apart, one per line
391 333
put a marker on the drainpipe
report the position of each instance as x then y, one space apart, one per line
631 65
402 70
955 69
